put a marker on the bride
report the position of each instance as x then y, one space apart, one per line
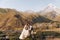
26 32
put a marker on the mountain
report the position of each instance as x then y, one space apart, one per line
51 12
49 8
29 11
11 19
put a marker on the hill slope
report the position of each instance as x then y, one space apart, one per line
11 19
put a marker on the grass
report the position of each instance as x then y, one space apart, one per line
39 35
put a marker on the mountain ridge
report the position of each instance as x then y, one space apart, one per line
51 12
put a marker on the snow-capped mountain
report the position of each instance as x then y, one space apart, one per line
51 12
50 7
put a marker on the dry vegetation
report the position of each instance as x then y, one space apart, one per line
12 21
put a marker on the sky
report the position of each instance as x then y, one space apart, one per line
23 5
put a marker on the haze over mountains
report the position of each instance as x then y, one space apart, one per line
11 19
